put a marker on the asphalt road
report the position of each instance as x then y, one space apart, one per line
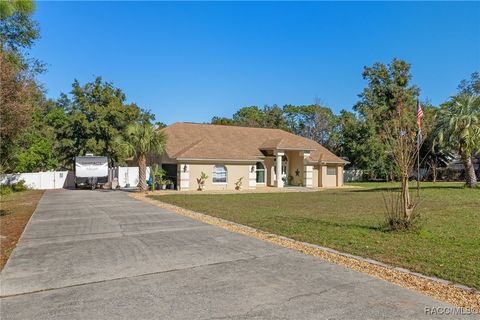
103 255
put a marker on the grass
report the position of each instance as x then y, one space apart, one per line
447 244
15 211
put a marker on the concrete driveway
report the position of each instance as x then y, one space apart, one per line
103 255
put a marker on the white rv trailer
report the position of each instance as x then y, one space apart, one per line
91 171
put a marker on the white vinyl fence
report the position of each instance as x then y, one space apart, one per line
42 180
353 175
127 177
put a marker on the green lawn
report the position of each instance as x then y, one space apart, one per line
447 245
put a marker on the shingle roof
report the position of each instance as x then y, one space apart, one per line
206 141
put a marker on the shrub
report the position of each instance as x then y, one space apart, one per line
395 219
157 174
201 181
13 187
19 186
5 189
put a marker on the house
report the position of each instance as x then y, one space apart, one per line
228 153
454 169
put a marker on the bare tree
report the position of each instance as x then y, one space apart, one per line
401 141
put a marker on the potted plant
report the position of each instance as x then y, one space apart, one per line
171 185
158 174
201 181
167 183
163 184
290 180
238 184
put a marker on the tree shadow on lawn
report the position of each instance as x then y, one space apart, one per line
309 221
412 187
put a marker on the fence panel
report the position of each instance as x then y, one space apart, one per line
128 176
42 180
353 175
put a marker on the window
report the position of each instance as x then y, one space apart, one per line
331 171
260 172
219 174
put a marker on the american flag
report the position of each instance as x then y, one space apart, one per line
419 115
419 122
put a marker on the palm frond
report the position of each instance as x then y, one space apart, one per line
143 138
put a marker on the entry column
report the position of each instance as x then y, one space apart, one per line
183 177
278 179
307 171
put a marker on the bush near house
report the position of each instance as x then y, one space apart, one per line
445 245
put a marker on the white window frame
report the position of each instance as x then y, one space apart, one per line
264 173
214 173
334 168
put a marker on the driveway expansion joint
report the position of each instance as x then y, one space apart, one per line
128 277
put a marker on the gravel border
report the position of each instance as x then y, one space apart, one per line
459 295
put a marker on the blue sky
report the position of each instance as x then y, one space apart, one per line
191 61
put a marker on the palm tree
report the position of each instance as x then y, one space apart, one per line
459 129
142 139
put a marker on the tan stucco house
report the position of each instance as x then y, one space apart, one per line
227 153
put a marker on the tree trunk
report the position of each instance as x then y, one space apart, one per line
469 171
407 210
142 172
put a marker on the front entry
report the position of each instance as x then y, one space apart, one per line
284 173
170 172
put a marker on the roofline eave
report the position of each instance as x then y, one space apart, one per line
220 159
287 149
338 162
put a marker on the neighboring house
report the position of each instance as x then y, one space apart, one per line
456 163
227 153
455 169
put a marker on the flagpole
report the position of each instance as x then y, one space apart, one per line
418 148
418 163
